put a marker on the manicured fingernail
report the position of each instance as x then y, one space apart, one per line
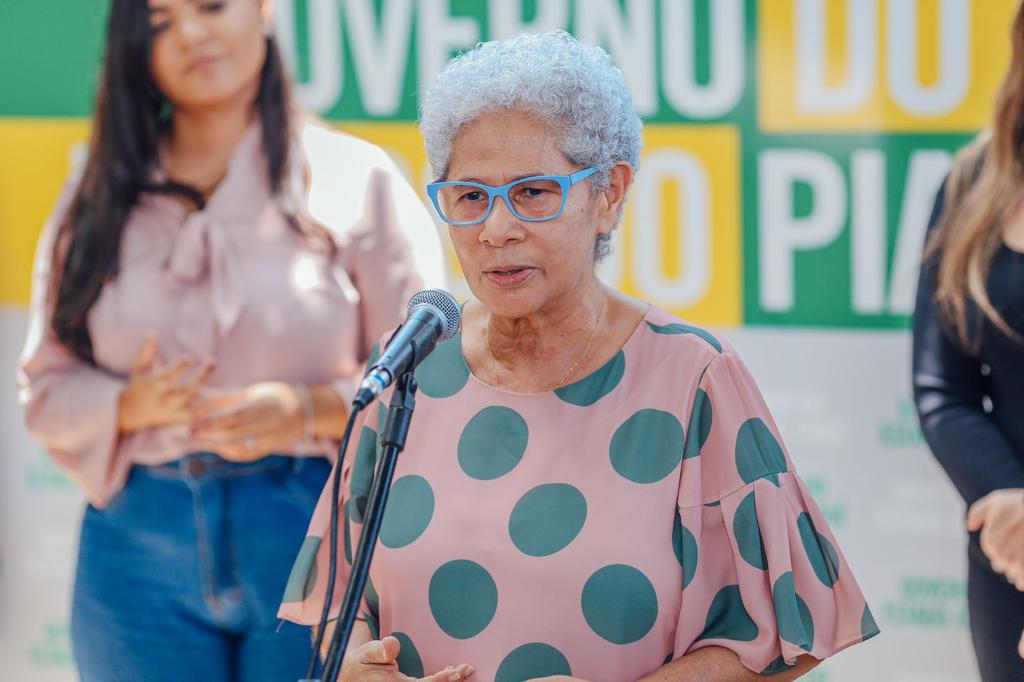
470 670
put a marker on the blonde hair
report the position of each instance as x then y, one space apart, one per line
983 192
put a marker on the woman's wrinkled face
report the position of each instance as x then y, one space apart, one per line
206 52
518 268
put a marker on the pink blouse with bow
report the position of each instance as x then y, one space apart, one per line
235 285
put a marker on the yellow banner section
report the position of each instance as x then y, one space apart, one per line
883 65
680 242
679 245
35 158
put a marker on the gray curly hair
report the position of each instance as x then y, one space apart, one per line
552 75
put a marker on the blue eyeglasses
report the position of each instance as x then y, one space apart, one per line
534 199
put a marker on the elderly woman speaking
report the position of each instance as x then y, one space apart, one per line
593 488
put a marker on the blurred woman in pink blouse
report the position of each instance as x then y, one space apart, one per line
205 292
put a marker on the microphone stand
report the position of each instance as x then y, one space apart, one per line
396 428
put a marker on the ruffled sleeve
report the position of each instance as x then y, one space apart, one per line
763 574
70 406
306 589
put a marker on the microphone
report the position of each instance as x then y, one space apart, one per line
433 316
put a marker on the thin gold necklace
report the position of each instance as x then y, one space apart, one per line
581 358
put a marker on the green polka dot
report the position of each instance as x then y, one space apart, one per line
619 603
758 454
748 533
648 446
444 372
382 410
589 390
686 329
685 547
728 617
371 597
409 510
373 624
346 530
303 576
700 425
532 661
777 666
668 659
868 626
822 555
362 472
374 355
547 518
409 662
358 508
792 615
492 443
463 598
716 503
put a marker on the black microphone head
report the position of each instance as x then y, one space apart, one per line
445 303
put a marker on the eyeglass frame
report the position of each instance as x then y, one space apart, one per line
565 182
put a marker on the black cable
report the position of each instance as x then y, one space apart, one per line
393 439
314 658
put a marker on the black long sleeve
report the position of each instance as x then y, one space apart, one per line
949 389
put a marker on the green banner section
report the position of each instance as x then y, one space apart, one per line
368 59
50 52
819 129
833 225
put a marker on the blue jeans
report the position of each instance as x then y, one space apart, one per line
180 578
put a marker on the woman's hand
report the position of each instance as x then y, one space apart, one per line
376 661
243 426
1000 518
158 395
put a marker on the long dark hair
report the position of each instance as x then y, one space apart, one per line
129 121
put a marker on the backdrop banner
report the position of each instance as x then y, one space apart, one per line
793 149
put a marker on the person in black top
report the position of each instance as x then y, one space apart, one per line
968 363
1000 518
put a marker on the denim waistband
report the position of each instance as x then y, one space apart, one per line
209 465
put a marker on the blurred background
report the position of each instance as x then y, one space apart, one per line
792 153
